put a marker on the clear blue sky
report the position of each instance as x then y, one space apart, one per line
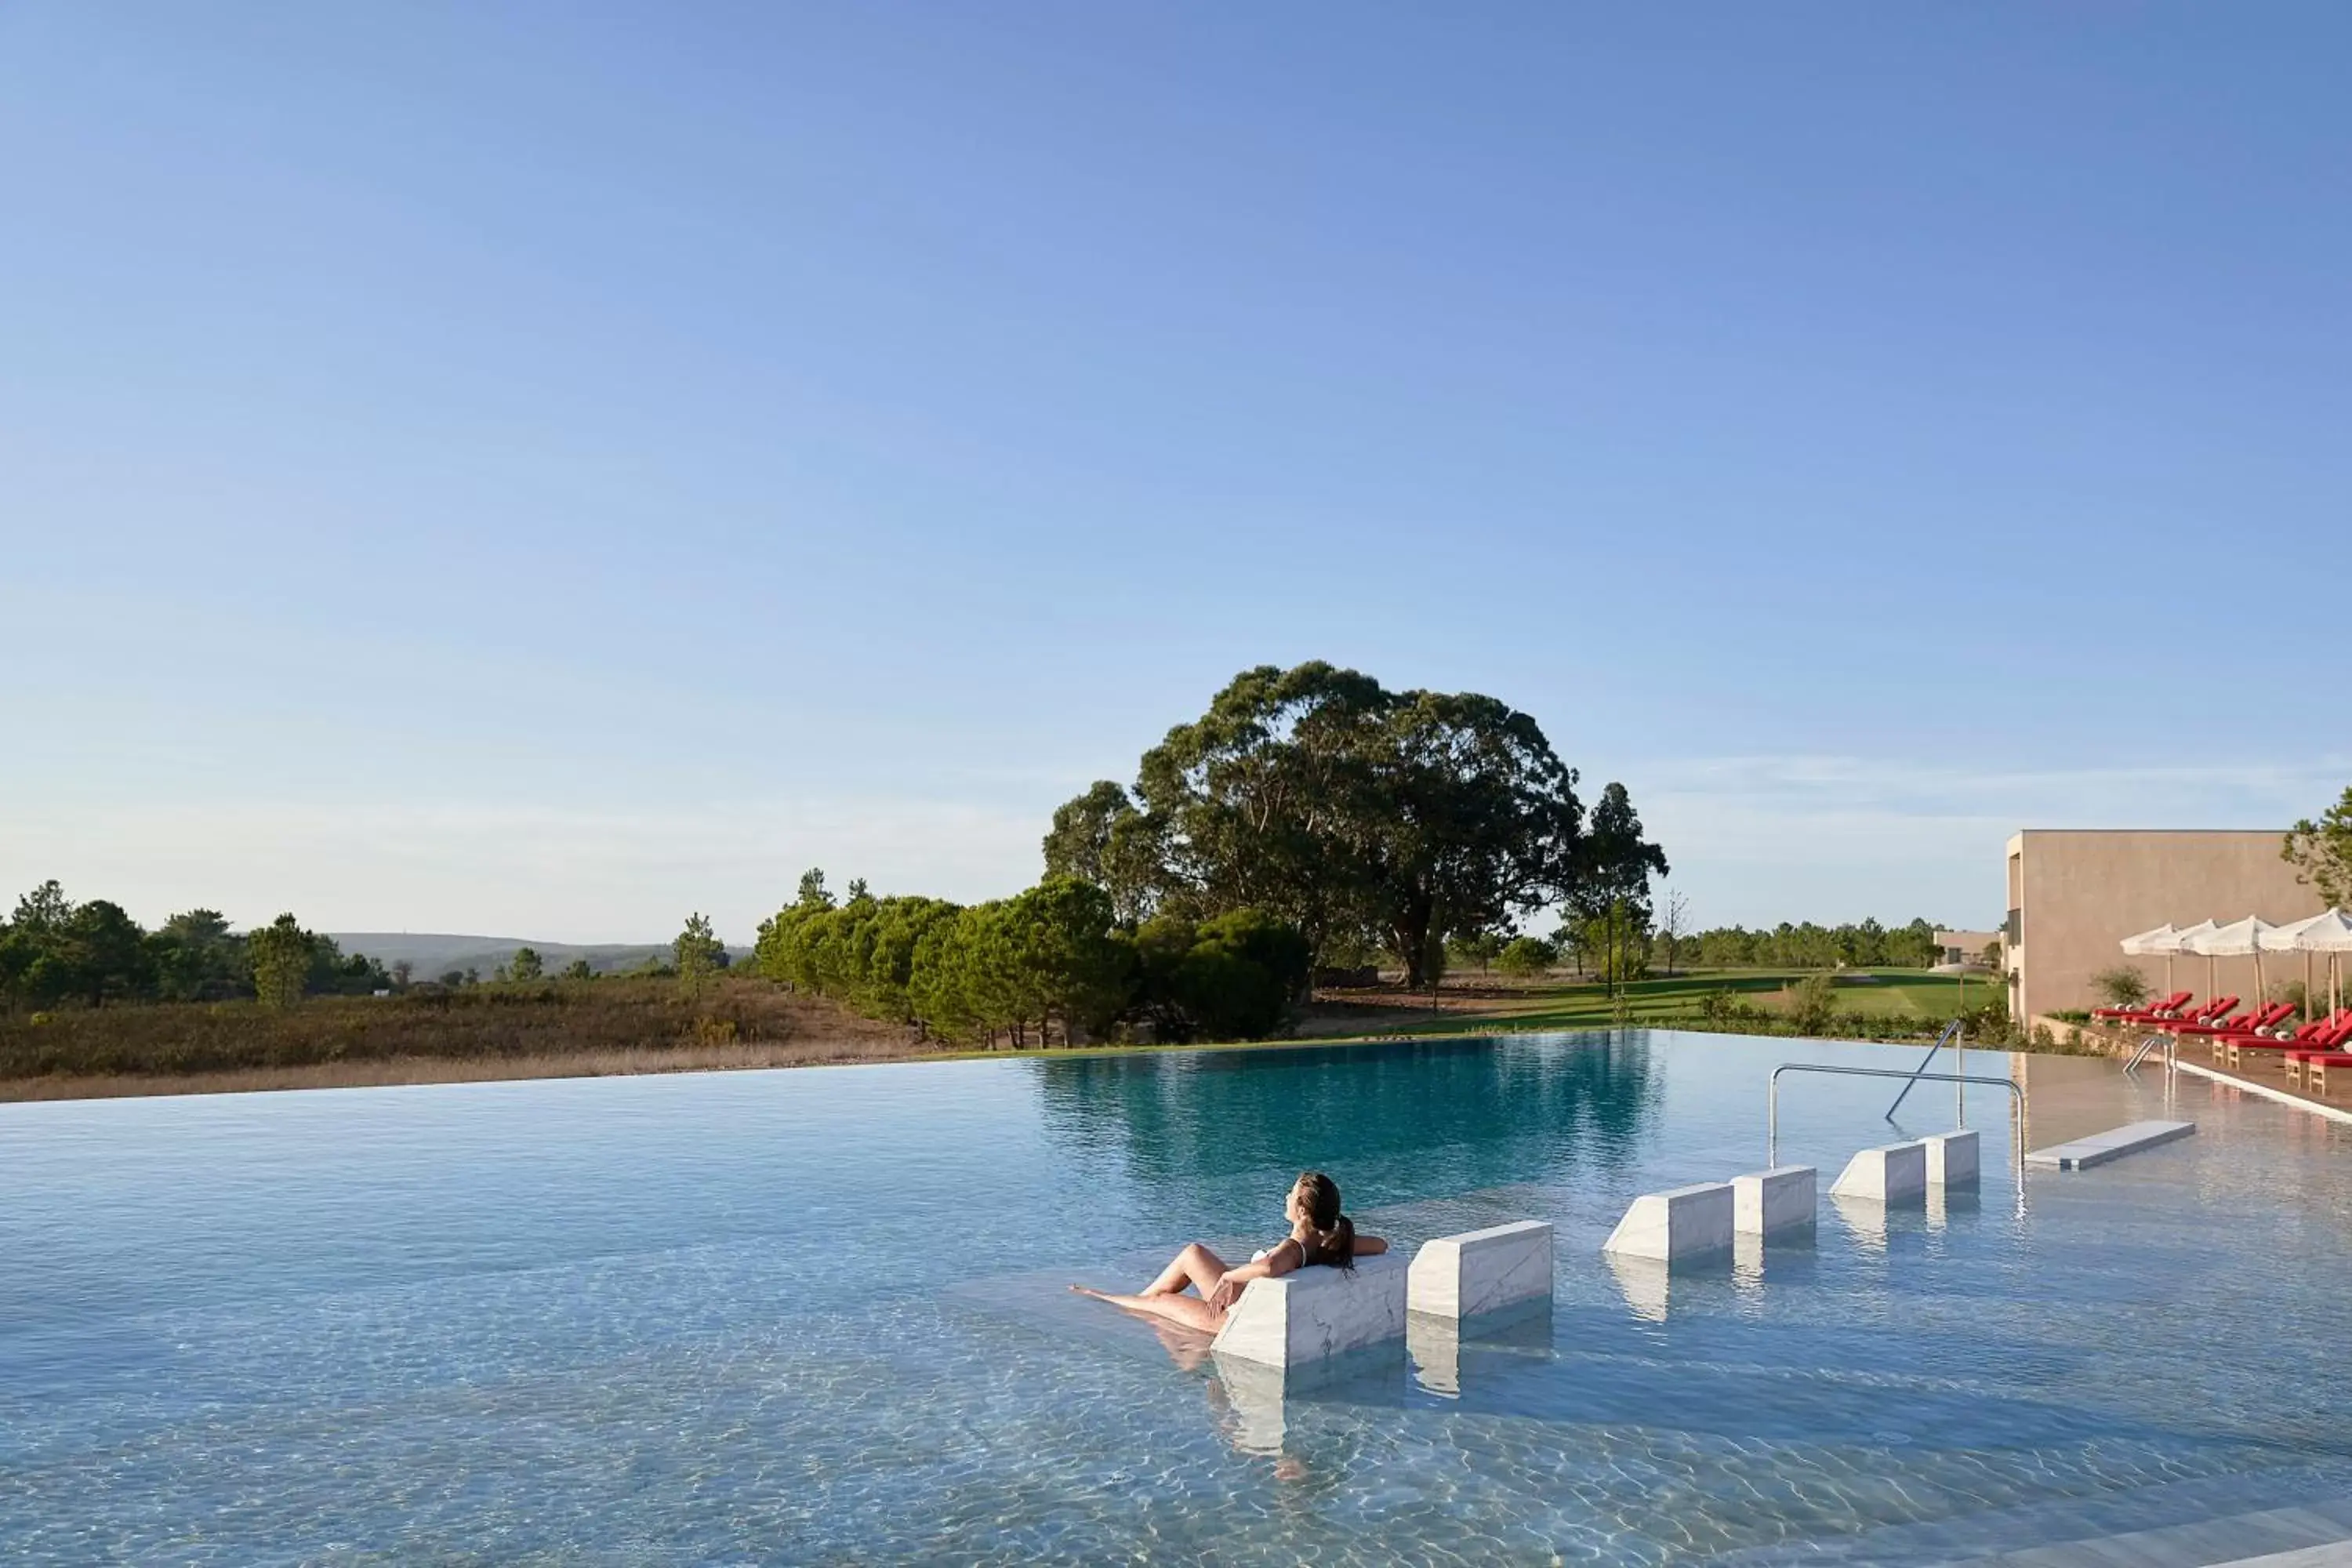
540 469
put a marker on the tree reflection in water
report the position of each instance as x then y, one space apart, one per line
1207 1141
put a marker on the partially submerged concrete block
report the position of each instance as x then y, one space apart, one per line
1891 1174
1255 1395
1482 1270
1949 1201
1435 1344
1782 1198
1952 1158
1687 1222
1865 1220
1313 1314
2097 1150
1258 1397
1646 1283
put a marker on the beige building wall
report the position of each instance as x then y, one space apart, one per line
2075 895
1963 946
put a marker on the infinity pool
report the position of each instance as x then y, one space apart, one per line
819 1316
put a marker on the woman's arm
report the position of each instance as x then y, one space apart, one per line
1282 1261
1368 1247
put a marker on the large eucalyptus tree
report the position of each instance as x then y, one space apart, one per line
1316 796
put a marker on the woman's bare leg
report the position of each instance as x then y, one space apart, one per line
1195 1266
1186 1312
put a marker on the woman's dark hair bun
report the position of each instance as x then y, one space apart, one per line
1335 1234
1341 1254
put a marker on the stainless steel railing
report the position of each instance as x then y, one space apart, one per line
2169 1042
1951 1031
1772 1095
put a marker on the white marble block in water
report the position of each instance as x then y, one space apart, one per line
1952 1158
1310 1314
1778 1199
1684 1222
1482 1270
1891 1174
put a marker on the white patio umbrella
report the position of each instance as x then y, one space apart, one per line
2188 937
2164 940
2281 939
2330 933
2239 939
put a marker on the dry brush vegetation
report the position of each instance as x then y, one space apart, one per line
554 1029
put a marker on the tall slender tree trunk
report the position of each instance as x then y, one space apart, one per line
1608 954
1412 933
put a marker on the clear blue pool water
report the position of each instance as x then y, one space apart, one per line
818 1316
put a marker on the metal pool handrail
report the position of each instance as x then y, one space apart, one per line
2168 1041
1772 1094
1950 1029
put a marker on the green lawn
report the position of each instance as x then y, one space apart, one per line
1891 993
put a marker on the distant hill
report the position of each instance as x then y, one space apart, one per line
431 954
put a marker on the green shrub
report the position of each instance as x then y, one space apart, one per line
1526 957
1813 1003
1053 955
2122 986
1236 977
281 954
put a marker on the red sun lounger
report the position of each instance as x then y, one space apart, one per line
2213 1012
2256 1024
2317 1067
2330 1041
2147 1011
2163 1011
2235 1024
2320 1034
2244 1027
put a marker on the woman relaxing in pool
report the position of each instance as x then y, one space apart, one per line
1320 1234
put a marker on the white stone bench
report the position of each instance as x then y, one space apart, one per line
1952 1158
1891 1174
1312 1314
1782 1198
1684 1223
1481 1270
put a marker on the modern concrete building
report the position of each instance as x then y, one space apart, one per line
2075 895
1954 948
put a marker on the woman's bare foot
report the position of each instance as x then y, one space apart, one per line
1090 1291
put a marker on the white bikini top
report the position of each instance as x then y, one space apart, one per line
1263 1253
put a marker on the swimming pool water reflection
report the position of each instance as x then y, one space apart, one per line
819 1315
